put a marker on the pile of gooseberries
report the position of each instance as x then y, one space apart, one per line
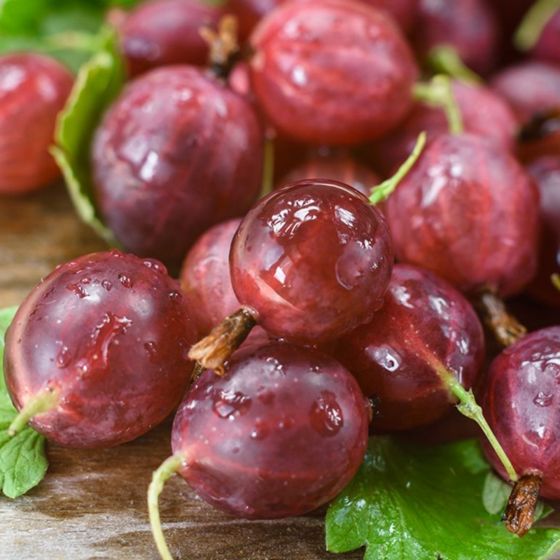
321 300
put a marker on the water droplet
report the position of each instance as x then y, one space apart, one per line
387 357
155 266
543 399
326 415
107 285
85 280
175 296
286 423
63 358
260 431
78 289
229 404
125 280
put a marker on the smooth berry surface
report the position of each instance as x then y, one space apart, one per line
337 165
469 26
521 403
281 434
205 277
548 44
313 260
33 90
164 32
424 325
177 153
332 71
483 113
546 172
468 212
110 334
530 88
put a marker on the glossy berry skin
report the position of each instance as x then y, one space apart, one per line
110 334
337 165
165 32
546 173
177 153
521 403
483 112
548 45
468 26
331 71
280 435
402 11
530 87
424 323
468 212
205 277
33 90
313 260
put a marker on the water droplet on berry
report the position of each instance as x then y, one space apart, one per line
229 404
386 357
260 431
151 349
326 415
175 296
63 358
543 399
78 290
125 280
155 266
107 285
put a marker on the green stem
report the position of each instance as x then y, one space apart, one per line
382 191
534 22
445 59
439 93
471 409
165 471
556 280
268 166
42 402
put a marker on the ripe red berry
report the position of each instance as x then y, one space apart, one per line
100 346
469 26
521 403
33 90
469 212
424 328
530 88
546 172
318 67
205 277
164 32
177 153
312 261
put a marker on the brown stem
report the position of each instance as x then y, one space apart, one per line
213 351
520 510
506 328
224 46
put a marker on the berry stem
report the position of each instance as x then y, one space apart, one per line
224 46
165 471
384 190
555 278
445 59
439 93
506 328
468 407
213 350
533 23
42 402
519 515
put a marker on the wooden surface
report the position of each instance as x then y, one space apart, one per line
92 503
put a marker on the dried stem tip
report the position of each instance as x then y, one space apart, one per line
506 328
215 349
224 45
520 510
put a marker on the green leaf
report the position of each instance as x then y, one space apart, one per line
425 503
97 85
495 493
23 462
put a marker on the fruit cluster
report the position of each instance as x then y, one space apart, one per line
323 303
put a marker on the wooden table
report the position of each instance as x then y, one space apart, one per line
92 503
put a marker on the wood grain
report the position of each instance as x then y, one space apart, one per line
92 504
